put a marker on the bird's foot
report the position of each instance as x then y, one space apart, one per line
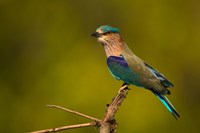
124 84
124 88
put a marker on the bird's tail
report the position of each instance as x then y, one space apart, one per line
168 105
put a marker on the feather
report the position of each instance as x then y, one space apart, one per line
120 69
167 104
164 81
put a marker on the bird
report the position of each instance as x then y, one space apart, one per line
124 65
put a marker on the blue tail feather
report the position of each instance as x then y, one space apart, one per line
168 105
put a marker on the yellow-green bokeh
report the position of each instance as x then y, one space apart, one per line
48 57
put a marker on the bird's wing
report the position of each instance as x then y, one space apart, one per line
165 82
117 60
116 65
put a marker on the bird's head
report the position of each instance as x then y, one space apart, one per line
106 34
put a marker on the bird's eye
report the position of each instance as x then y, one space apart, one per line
106 33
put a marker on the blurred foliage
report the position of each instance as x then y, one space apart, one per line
48 57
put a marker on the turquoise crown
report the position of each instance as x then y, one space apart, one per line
107 28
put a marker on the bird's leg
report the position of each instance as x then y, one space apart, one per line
126 84
124 87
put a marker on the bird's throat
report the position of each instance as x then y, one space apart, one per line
112 43
112 50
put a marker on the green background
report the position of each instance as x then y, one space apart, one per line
48 57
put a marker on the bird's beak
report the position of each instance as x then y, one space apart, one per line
95 34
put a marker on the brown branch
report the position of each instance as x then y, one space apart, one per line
116 102
74 112
107 125
66 127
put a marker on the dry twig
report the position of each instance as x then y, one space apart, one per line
107 125
74 112
65 128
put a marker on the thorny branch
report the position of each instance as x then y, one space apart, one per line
107 125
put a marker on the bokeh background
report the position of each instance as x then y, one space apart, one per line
48 57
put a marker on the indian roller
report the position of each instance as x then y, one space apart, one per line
126 66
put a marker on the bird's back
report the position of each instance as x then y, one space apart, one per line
147 78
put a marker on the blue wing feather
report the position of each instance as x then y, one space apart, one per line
116 63
120 69
165 82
